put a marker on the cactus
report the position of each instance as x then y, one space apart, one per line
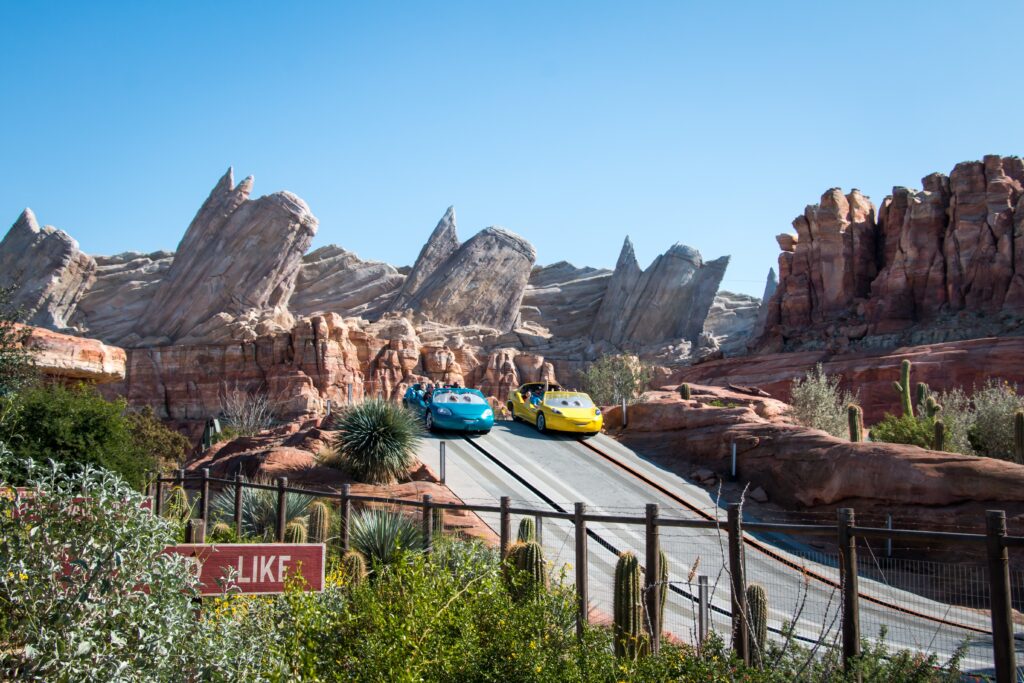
855 419
178 507
295 532
903 388
527 530
939 441
319 524
923 392
437 520
353 565
757 607
932 407
662 586
1018 437
222 530
628 607
684 391
526 574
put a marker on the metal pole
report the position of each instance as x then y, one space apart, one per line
582 588
238 504
625 417
848 581
505 525
204 494
999 590
350 393
888 541
282 507
740 633
703 609
539 523
346 516
652 585
428 523
733 448
443 458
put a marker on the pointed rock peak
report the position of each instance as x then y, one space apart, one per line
627 257
26 221
445 228
772 277
245 187
226 182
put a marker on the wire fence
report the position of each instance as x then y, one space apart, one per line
816 599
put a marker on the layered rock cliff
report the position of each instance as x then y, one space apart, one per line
942 263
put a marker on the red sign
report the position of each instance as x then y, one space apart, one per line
255 568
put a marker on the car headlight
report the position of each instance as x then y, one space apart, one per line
597 411
487 413
444 411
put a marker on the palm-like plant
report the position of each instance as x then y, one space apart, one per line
259 508
383 536
375 441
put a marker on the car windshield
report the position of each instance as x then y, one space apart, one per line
453 397
580 401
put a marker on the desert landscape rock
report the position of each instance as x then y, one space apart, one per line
46 269
66 358
333 280
121 293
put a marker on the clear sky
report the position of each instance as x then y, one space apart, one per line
571 123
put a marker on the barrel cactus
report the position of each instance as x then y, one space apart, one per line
222 531
353 566
628 608
684 391
903 388
319 522
757 607
295 532
855 420
526 573
527 530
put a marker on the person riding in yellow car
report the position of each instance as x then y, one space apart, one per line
548 407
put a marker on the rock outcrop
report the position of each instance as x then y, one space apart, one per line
234 270
332 280
46 269
122 292
442 244
65 358
937 264
564 299
731 321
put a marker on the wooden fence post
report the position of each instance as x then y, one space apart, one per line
428 523
282 507
582 587
505 525
204 494
195 531
158 505
848 581
999 590
346 514
238 504
652 576
740 634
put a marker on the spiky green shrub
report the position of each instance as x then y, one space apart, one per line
318 522
527 530
757 608
375 441
819 403
384 537
259 509
353 566
628 607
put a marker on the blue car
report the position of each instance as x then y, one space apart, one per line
463 410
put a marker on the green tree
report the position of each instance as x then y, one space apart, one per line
612 378
16 367
149 435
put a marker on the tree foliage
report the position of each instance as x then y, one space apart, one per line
819 403
612 378
16 367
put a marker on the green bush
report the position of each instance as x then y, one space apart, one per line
958 415
384 537
167 447
77 427
610 379
991 433
905 429
259 509
819 403
16 365
375 441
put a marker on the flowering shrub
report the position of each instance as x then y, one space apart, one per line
819 403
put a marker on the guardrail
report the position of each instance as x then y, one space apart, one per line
845 532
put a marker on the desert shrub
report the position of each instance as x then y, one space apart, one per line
906 429
167 447
16 363
383 536
77 427
958 416
246 413
375 440
259 509
991 433
819 403
612 378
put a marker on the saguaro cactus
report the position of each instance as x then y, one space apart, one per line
855 419
932 407
1018 437
684 391
903 388
939 440
526 574
319 525
527 530
662 586
628 607
757 606
353 565
295 532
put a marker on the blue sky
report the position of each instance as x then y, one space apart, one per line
571 123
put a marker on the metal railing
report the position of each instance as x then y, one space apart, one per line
845 532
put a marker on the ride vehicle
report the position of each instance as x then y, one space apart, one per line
413 398
549 407
458 409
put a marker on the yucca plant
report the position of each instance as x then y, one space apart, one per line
375 441
383 536
259 509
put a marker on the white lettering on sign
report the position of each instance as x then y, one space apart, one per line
261 569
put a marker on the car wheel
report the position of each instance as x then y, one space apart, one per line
429 419
541 424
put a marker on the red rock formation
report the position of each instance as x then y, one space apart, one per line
847 279
73 358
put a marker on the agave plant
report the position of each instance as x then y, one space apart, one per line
259 509
383 536
375 441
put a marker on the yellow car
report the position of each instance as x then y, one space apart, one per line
548 407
